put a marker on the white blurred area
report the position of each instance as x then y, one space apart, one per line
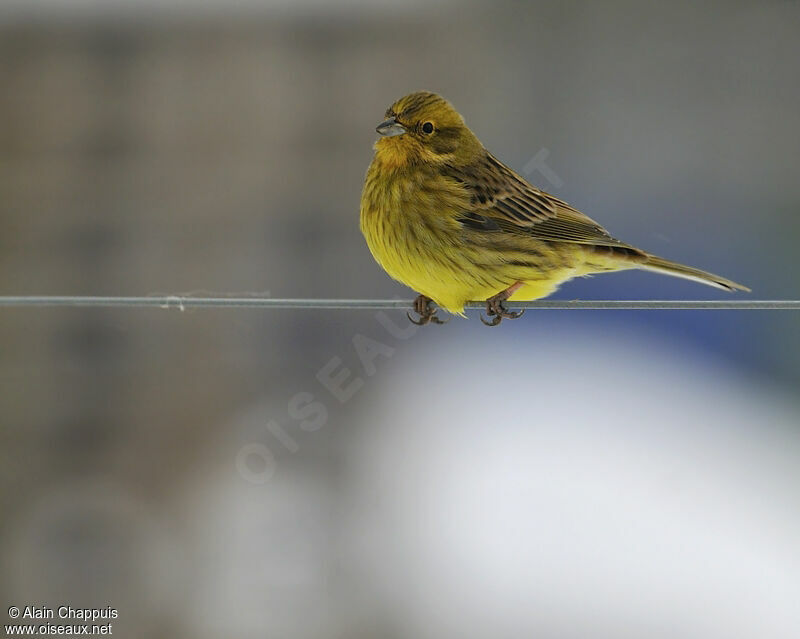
589 480
584 483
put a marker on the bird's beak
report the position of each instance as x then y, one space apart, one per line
390 127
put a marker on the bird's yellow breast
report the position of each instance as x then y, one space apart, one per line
409 219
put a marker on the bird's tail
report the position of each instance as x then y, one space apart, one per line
660 265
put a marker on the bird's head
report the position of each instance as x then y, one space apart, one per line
423 127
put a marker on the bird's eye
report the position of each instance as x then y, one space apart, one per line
427 128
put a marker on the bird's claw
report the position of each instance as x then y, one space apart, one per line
426 319
426 311
498 312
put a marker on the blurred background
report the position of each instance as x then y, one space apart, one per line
315 474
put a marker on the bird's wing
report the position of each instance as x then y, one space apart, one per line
502 201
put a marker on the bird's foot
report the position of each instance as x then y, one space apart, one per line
423 306
497 311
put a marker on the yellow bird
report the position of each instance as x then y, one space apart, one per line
445 217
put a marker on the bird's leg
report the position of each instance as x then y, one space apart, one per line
496 310
426 311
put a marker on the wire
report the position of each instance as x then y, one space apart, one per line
184 302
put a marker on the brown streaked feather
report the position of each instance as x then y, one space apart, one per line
504 201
